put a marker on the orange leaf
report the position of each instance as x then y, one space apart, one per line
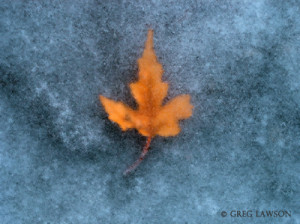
151 117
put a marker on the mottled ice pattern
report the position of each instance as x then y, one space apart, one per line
61 159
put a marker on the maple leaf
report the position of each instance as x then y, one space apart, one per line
151 118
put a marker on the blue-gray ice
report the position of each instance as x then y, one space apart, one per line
61 159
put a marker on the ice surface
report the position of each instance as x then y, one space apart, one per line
61 158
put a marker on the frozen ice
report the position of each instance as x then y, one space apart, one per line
62 159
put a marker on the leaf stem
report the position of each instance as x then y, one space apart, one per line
142 156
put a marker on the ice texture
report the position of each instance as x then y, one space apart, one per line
61 159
